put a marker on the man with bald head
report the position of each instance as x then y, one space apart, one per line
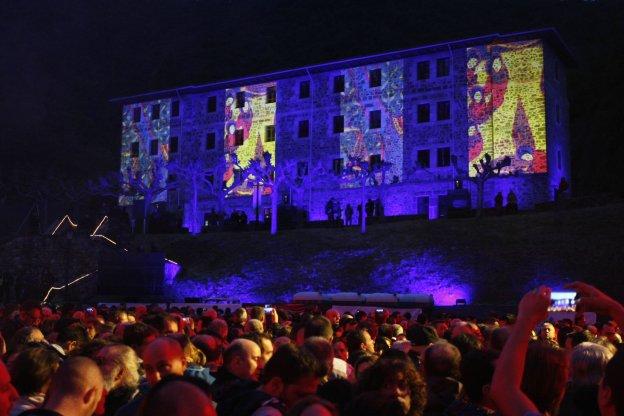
162 357
240 361
75 390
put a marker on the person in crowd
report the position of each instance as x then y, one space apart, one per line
72 337
313 406
507 391
548 334
253 325
76 390
164 323
341 351
397 378
477 369
291 375
119 365
137 336
22 338
359 343
212 347
195 359
238 373
218 328
8 394
180 396
239 318
162 357
322 350
587 366
441 364
577 337
31 373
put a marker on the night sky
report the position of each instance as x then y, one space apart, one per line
63 60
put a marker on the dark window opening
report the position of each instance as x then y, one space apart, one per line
443 67
136 115
239 137
374 119
153 147
304 128
304 89
211 140
271 95
339 83
173 144
444 157
212 104
422 70
175 108
134 149
338 124
423 113
424 159
269 134
374 161
155 111
240 99
444 110
374 78
337 166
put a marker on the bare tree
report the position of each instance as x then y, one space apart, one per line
148 186
486 169
365 174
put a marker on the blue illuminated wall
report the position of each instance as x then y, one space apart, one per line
356 103
143 132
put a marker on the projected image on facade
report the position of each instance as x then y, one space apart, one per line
145 137
506 107
373 117
249 129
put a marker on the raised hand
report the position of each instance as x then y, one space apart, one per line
533 307
593 300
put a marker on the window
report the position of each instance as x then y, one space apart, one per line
212 104
338 124
269 134
444 110
374 78
443 67
211 140
422 70
374 119
134 149
423 113
240 99
374 161
304 128
153 147
271 95
173 144
136 114
175 108
304 89
238 137
302 169
155 111
339 83
444 157
337 166
423 159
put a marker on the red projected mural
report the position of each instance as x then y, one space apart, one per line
506 108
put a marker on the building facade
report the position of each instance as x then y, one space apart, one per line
429 112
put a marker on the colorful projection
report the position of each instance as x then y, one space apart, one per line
506 107
358 139
138 132
247 116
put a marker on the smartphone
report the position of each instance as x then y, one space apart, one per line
562 302
268 308
379 310
90 310
186 319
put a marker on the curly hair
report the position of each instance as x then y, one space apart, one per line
385 372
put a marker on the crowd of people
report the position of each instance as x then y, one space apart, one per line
260 361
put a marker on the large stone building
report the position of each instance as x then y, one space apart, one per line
431 112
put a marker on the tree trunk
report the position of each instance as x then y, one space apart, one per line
274 199
194 222
362 197
480 189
